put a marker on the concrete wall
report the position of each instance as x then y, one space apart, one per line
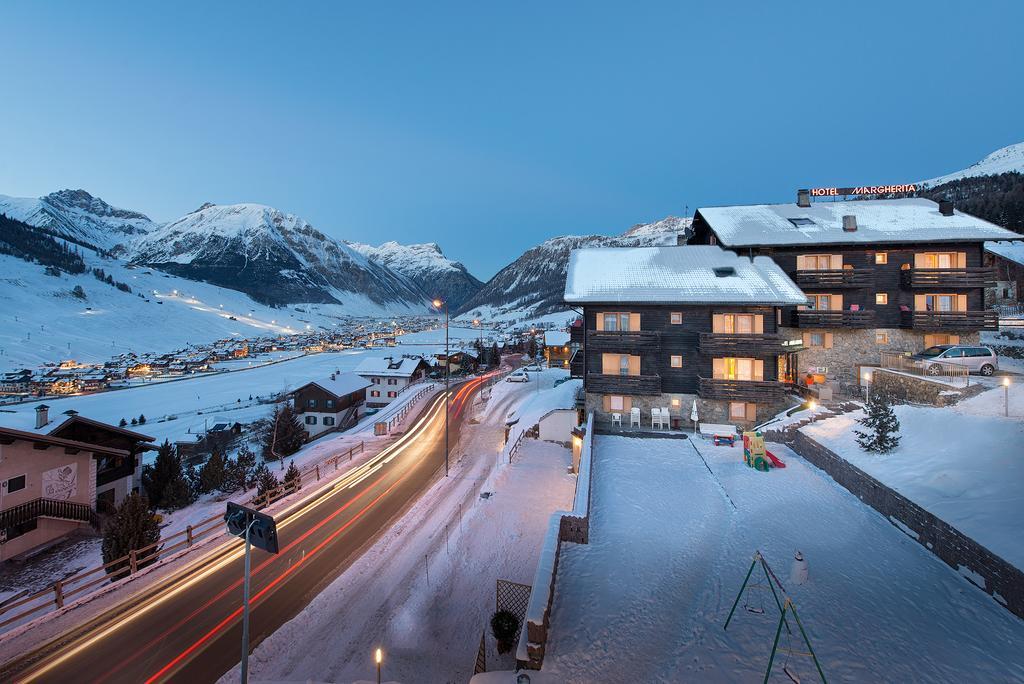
919 390
997 577
557 426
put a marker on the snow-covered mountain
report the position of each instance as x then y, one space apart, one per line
1004 160
79 217
426 265
276 258
533 284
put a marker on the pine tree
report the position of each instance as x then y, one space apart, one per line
142 419
285 434
78 292
212 473
882 422
156 477
264 479
292 477
135 421
495 354
245 460
179 492
132 526
123 422
531 348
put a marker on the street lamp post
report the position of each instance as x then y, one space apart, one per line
378 657
1006 397
438 304
867 387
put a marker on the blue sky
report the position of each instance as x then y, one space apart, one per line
489 127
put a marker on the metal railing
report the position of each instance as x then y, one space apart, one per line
933 368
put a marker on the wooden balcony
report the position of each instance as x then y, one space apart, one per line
629 341
623 384
758 391
757 345
950 320
44 508
808 318
948 277
835 278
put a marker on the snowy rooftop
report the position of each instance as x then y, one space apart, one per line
388 367
683 275
341 384
878 221
555 338
1013 250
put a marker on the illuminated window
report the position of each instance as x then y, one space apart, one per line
882 298
677 361
615 403
675 402
881 338
740 410
677 317
816 339
881 257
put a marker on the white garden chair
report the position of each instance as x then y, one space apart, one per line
617 419
634 417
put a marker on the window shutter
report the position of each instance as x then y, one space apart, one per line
627 404
610 364
837 302
954 339
718 368
606 403
929 341
801 262
759 324
751 412
634 365
807 339
919 260
920 304
600 321
961 259
835 261
758 369
961 302
634 321
828 340
718 323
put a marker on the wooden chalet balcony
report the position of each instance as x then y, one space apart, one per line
951 320
833 319
833 278
623 384
979 276
627 341
44 508
724 344
741 390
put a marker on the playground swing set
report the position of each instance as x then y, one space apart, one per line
784 606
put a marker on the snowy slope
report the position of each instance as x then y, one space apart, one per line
427 266
533 284
79 217
1005 160
275 257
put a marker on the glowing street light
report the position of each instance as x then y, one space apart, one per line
379 657
1006 397
867 386
811 405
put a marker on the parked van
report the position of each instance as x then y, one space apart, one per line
976 359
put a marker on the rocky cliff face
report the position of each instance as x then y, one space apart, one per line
434 274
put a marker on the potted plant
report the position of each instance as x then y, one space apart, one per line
504 626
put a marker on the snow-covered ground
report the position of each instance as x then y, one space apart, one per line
177 408
963 463
670 543
430 628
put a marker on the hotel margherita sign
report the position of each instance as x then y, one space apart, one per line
863 190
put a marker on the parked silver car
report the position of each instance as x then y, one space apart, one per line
975 359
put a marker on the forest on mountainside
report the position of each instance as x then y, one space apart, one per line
998 198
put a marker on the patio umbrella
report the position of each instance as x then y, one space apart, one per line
693 416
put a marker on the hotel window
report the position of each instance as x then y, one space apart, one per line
740 410
881 338
740 324
940 302
310 420
616 403
676 403
676 317
881 257
328 420
819 302
818 339
311 403
882 298
374 393
731 368
618 321
940 260
329 403
819 262
15 484
620 364
676 361
392 395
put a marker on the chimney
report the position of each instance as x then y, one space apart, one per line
850 223
946 207
42 415
803 198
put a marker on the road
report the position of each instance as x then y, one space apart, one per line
188 629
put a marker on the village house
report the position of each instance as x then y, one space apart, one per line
668 326
16 382
1006 258
893 275
333 403
556 348
390 377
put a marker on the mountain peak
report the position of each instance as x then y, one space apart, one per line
81 200
1004 160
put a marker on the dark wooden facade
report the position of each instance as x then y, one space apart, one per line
317 394
108 468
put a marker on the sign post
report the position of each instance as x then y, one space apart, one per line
257 529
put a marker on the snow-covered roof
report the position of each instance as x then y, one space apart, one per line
341 384
699 274
388 368
555 338
1011 250
912 219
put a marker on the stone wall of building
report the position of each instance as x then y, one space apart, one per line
903 387
993 575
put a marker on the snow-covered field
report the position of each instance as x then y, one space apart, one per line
430 628
670 543
204 400
964 463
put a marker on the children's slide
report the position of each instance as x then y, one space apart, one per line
774 459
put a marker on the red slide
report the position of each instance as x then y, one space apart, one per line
775 461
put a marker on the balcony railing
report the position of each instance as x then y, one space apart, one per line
951 320
833 319
44 508
725 344
979 276
741 390
626 341
838 277
623 384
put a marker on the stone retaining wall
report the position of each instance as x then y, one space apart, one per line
995 576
